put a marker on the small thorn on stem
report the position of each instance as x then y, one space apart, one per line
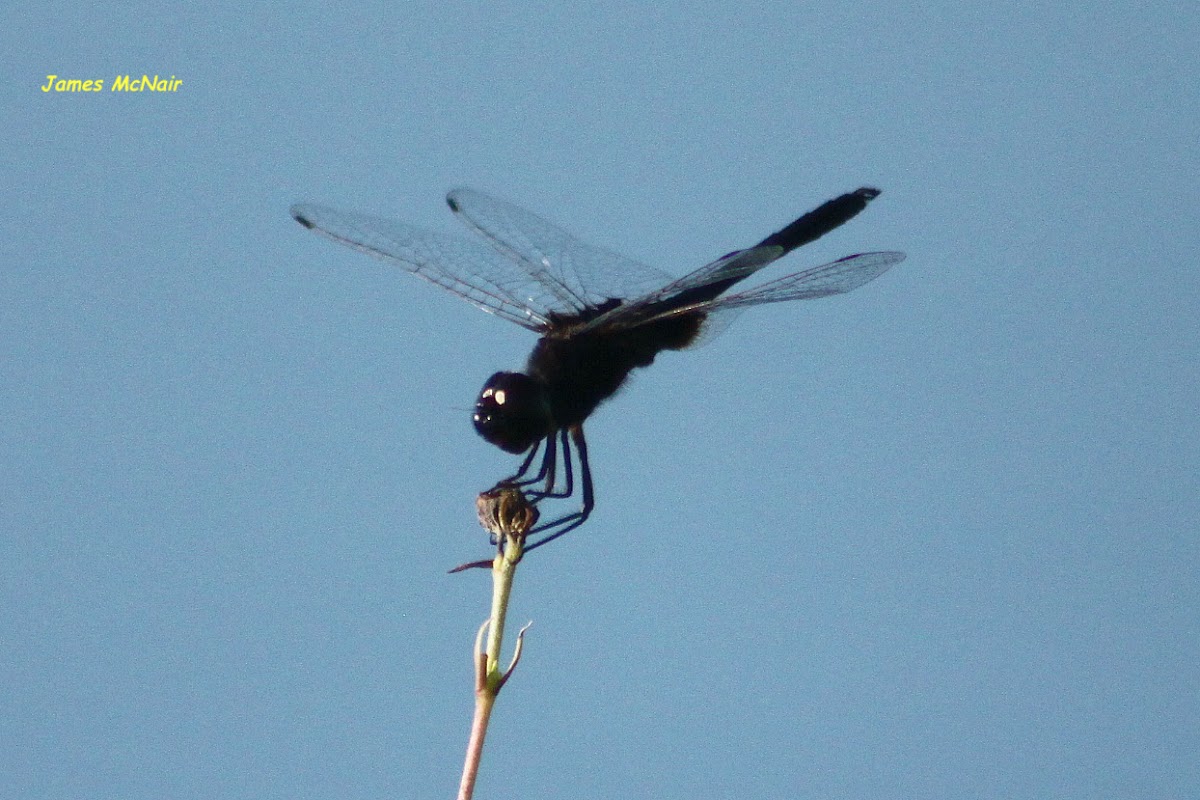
516 655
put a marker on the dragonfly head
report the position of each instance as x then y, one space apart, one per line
512 412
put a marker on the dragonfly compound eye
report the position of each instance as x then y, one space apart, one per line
511 412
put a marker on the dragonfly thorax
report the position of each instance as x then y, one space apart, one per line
512 412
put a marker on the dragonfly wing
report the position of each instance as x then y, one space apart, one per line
577 273
701 287
693 289
836 277
466 268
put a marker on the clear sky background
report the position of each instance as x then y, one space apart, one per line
936 538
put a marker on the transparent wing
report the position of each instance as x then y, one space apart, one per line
695 288
836 277
469 269
694 292
578 274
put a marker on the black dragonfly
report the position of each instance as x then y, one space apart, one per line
599 315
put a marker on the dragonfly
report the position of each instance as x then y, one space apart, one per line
598 315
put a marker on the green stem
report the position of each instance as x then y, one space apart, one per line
488 677
504 570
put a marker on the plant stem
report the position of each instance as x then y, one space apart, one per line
507 515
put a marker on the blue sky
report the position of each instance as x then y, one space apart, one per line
935 538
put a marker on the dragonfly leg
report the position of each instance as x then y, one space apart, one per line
533 451
548 475
570 522
545 473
